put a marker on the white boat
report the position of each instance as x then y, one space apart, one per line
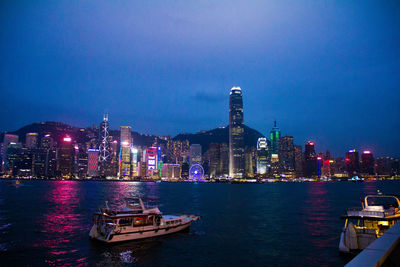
364 225
138 219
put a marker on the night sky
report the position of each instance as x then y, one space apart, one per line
327 71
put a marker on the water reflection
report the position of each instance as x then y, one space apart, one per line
318 228
62 224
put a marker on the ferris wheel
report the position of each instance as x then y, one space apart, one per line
196 172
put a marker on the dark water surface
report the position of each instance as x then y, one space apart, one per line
279 224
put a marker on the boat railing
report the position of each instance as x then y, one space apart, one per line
369 213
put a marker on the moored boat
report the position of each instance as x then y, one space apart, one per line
365 224
138 219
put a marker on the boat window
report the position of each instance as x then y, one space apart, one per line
386 202
125 222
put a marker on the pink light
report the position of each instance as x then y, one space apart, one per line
67 139
367 152
319 158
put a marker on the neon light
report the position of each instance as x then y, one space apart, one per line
319 158
353 150
67 139
367 152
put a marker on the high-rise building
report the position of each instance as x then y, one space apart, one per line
8 139
319 167
262 155
367 163
275 135
93 162
250 159
31 140
219 160
310 160
352 163
151 160
236 134
104 157
298 160
195 154
170 170
286 153
125 152
47 142
66 157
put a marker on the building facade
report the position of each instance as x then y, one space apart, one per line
236 134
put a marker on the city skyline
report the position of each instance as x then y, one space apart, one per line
167 69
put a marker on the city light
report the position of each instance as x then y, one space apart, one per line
67 139
367 152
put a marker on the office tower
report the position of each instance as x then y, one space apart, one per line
47 142
286 153
326 167
236 133
352 163
194 154
151 160
262 155
218 157
298 160
171 170
250 161
93 162
31 140
310 160
8 139
66 159
275 135
134 161
82 161
319 167
104 148
367 163
125 152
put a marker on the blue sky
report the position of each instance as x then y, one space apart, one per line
327 71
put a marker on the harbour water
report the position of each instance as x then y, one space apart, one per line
279 224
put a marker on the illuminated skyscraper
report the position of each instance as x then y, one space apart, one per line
367 163
352 163
125 152
286 153
236 133
262 155
31 140
275 135
104 157
8 139
195 154
66 159
298 160
93 160
310 160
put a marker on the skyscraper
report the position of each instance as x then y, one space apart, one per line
275 135
367 163
93 160
66 157
31 140
286 153
352 163
298 160
236 133
195 154
125 152
262 155
310 160
104 156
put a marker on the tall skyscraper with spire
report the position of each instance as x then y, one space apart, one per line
275 134
104 146
236 134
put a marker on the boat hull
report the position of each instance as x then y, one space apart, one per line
136 234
